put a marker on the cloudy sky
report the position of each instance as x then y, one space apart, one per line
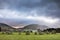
24 12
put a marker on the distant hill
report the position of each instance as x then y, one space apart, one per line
4 25
36 26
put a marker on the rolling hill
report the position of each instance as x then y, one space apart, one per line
36 26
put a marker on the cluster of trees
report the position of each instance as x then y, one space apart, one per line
57 30
47 31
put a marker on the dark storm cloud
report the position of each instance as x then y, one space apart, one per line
29 3
43 7
50 8
45 2
21 3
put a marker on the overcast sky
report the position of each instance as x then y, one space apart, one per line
22 12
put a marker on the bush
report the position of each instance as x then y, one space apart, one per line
47 32
8 32
24 31
53 32
27 33
3 32
40 33
31 31
35 33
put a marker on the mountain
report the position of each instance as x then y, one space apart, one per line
36 26
4 25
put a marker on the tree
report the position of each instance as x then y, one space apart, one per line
58 30
38 30
35 33
27 33
53 32
31 31
40 33
0 29
47 32
8 31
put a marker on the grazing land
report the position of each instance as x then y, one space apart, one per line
16 36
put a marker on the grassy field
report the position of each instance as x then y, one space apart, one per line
15 36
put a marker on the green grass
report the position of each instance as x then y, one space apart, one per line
15 36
